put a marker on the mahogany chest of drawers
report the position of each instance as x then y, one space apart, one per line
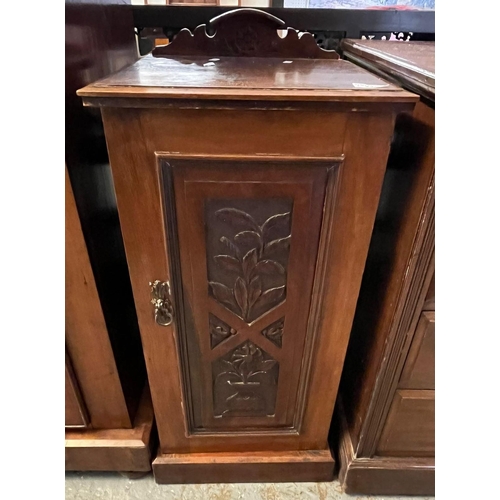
387 388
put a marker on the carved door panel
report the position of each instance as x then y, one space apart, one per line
243 237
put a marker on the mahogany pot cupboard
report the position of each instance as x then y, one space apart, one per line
109 414
385 413
247 169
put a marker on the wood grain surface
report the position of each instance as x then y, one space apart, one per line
86 332
124 450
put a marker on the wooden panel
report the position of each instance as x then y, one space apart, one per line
100 40
246 78
248 240
409 428
418 372
430 299
386 476
113 449
246 467
246 73
379 475
135 135
245 33
86 331
410 64
395 280
76 414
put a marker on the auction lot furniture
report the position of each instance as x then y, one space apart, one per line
107 428
248 170
386 415
108 407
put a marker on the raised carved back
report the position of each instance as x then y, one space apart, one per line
246 33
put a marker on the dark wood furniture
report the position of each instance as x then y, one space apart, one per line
108 409
386 415
104 431
246 234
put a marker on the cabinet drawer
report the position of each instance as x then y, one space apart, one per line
418 372
409 428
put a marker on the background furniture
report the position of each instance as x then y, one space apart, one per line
108 409
246 234
386 415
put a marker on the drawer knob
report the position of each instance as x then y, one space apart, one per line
160 293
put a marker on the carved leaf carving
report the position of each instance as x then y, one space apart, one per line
245 381
228 263
274 332
249 245
262 366
233 249
279 221
219 331
269 268
237 218
229 366
241 295
255 291
222 293
277 245
270 296
249 263
248 238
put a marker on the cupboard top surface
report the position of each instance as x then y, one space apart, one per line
246 78
403 60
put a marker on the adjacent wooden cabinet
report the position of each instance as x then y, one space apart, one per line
248 170
108 407
107 426
385 414
76 413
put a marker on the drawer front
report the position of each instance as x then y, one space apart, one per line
248 235
419 369
409 428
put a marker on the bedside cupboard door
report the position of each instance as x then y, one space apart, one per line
244 237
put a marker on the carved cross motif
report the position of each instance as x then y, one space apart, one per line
219 331
274 332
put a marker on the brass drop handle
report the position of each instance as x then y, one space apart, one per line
160 293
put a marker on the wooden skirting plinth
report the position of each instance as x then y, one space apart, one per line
381 475
249 467
123 450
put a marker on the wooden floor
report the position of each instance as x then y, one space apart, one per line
92 485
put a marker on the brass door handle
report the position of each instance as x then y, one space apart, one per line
164 311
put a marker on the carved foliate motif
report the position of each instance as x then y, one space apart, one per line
249 259
219 331
245 382
274 332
